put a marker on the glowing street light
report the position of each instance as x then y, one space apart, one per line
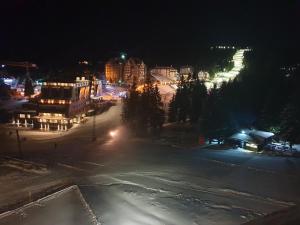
113 133
123 56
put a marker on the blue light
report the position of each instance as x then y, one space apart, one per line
2 65
243 132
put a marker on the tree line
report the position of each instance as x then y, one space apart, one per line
143 110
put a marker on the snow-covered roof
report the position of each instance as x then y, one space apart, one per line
252 136
242 137
63 207
162 78
261 134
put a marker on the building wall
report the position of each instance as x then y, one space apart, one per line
113 71
186 72
202 75
61 104
134 71
168 72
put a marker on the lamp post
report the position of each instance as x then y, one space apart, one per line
19 144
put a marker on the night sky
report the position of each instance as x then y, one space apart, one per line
161 33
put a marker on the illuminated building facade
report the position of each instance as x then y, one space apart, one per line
134 71
62 103
96 88
24 118
165 71
186 72
124 70
203 75
114 70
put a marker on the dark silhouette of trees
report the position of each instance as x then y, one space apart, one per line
215 121
130 112
144 111
172 111
187 103
198 95
264 95
290 115
290 123
28 87
4 90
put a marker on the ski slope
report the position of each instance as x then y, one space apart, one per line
220 77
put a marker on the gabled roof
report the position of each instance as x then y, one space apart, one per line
252 136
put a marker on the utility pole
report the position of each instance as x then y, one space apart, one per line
19 144
94 124
91 79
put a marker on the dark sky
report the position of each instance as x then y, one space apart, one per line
161 32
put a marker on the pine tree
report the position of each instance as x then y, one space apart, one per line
214 117
198 94
130 107
144 110
183 102
172 111
28 87
157 116
290 123
4 89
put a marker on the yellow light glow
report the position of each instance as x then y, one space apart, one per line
251 145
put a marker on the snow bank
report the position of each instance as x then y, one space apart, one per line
61 208
26 166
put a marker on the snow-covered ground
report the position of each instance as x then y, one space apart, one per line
220 77
12 104
128 180
60 208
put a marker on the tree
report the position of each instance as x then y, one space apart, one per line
4 90
157 116
130 107
28 87
182 100
290 116
144 110
215 121
172 111
290 123
198 94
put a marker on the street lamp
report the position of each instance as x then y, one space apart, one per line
123 55
113 133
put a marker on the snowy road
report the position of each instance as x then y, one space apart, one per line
130 181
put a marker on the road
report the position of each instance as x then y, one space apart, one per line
129 180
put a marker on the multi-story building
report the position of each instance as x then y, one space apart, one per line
165 71
134 71
114 70
186 72
128 71
96 88
62 103
203 75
